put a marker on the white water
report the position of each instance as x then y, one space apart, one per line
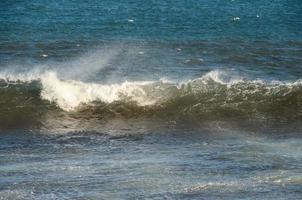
70 94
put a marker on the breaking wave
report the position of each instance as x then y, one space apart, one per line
213 95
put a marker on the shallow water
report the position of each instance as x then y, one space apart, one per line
150 100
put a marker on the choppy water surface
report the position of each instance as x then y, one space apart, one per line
159 100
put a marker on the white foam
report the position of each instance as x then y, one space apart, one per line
13 76
70 94
221 77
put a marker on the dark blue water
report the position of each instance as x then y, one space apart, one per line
192 99
57 21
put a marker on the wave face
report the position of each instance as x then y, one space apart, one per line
24 98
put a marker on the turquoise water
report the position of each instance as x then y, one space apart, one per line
150 100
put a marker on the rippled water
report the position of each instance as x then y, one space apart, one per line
150 100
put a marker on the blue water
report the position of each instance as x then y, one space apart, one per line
192 99
55 21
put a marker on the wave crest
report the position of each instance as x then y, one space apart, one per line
213 95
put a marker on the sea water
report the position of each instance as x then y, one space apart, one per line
191 99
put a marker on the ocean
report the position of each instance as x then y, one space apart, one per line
192 99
